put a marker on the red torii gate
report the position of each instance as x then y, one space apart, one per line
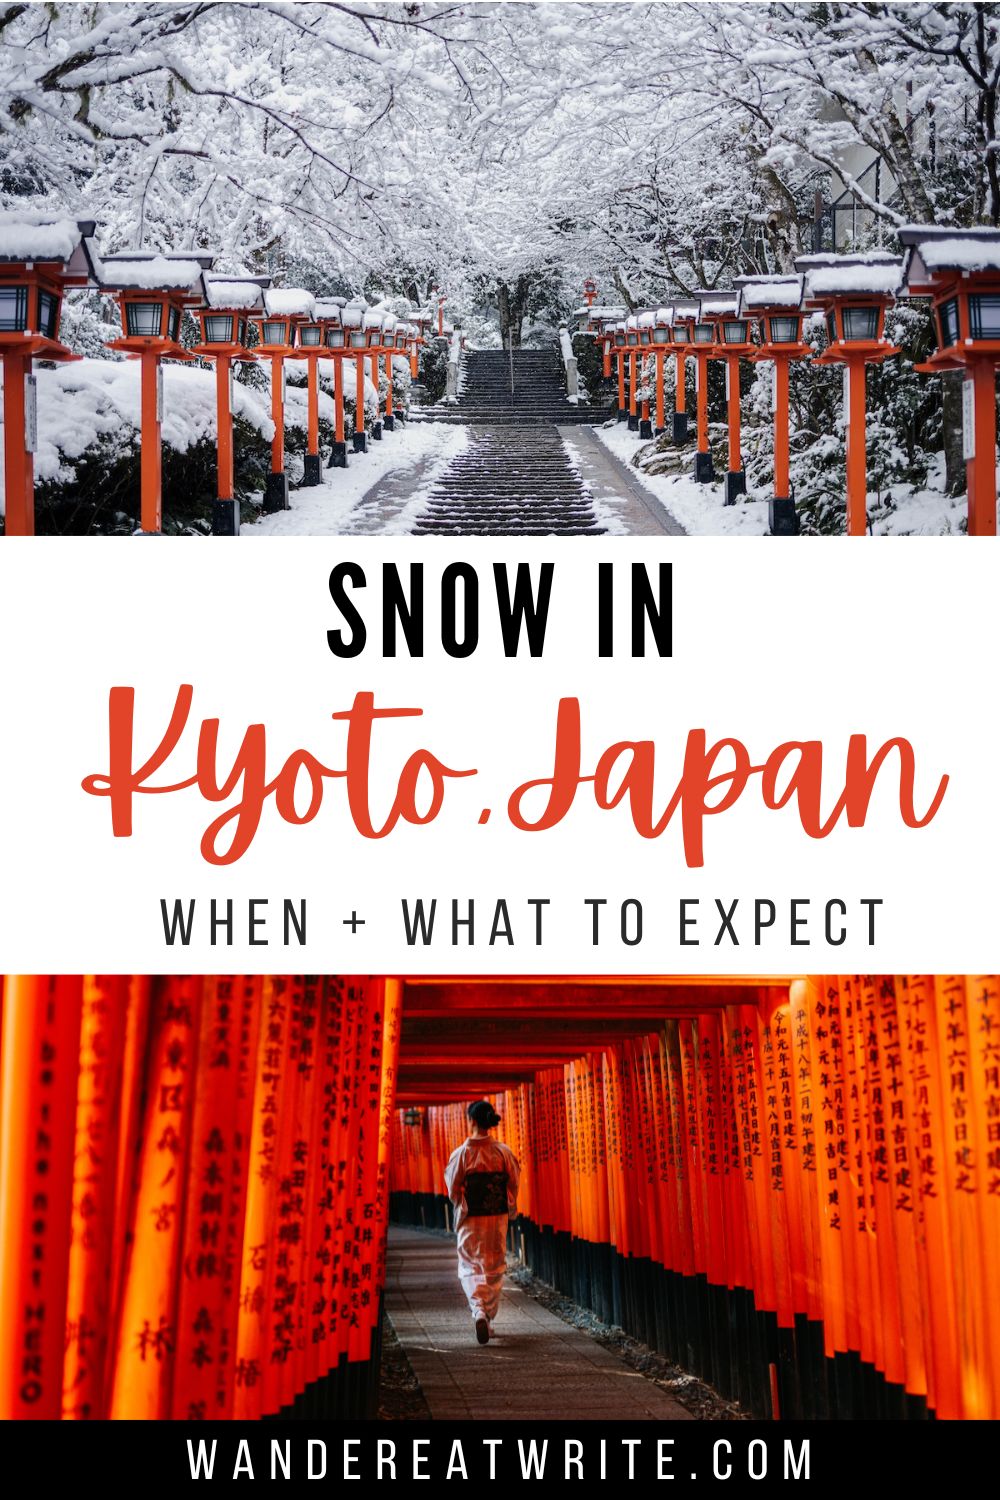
40 255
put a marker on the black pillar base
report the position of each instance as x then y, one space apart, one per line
361 442
633 423
645 427
736 484
659 431
680 426
311 473
704 469
389 422
621 414
276 493
377 432
225 518
782 517
338 456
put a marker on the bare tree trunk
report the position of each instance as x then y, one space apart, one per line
512 306
951 431
782 226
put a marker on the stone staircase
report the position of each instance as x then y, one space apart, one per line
538 397
509 483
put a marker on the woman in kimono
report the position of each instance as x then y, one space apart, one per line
482 1177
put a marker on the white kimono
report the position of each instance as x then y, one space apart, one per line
482 1175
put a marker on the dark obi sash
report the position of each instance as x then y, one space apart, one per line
486 1193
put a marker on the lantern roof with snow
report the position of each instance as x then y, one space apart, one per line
353 314
875 273
717 304
756 293
289 302
647 320
374 319
684 308
330 309
933 254
52 240
178 271
236 293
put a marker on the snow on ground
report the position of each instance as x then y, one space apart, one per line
698 507
405 464
605 512
700 510
93 400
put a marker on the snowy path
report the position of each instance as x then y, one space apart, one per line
380 491
621 501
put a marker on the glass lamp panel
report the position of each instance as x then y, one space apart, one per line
174 324
661 335
948 322
704 333
831 326
984 315
335 338
682 333
48 314
734 331
784 330
860 323
144 319
273 331
218 329
13 309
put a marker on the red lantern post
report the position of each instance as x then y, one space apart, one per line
619 349
776 302
276 341
153 290
373 322
732 339
662 322
40 256
646 323
228 304
959 269
684 314
703 340
632 353
311 347
331 313
357 341
590 291
389 326
853 292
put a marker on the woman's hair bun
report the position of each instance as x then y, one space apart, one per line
483 1114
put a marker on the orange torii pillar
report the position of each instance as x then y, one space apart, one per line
645 323
39 1067
276 341
853 292
31 293
960 270
151 328
223 339
357 341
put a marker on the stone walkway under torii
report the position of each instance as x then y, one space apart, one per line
538 1367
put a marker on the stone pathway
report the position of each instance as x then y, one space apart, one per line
538 1367
615 491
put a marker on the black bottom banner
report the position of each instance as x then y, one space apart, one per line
690 1453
